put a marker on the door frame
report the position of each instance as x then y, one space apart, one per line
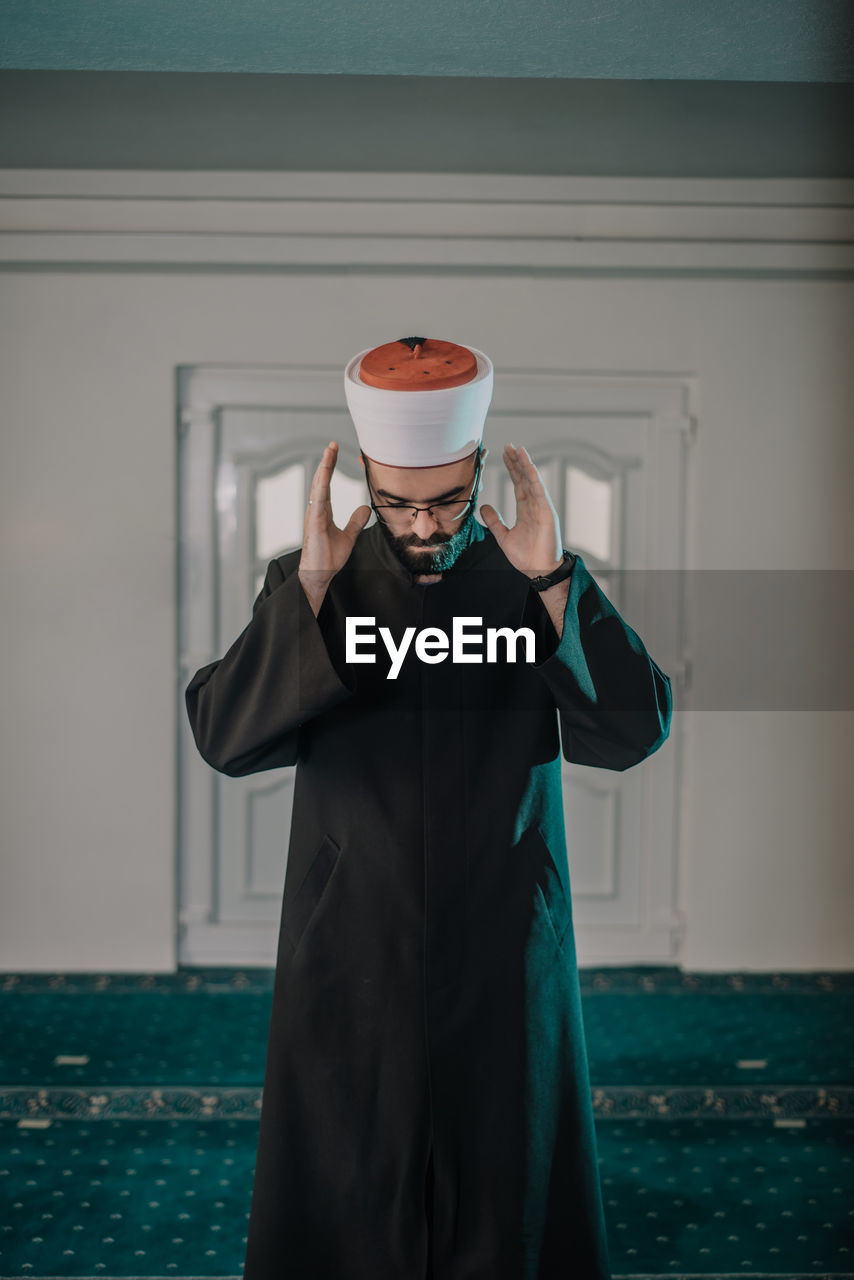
662 406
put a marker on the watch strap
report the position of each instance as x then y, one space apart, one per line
545 580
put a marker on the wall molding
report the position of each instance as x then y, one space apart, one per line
97 219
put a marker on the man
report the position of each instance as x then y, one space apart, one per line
426 1107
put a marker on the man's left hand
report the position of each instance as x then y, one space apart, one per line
533 545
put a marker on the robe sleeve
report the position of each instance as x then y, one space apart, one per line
246 709
614 702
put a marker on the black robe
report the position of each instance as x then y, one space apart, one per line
426 1106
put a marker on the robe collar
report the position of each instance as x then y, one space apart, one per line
481 543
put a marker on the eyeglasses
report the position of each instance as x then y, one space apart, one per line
450 510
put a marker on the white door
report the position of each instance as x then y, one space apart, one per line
611 453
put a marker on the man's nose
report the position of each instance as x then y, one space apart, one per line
424 525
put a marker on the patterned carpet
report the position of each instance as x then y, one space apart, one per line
724 1104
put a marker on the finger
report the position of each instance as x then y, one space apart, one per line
357 521
531 484
523 464
518 473
493 522
320 482
528 465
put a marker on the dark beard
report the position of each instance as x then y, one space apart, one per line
447 548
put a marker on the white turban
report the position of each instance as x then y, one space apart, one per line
419 428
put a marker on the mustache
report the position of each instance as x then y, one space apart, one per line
435 540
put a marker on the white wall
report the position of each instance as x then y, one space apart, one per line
88 588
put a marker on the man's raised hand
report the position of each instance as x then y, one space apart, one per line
325 547
534 544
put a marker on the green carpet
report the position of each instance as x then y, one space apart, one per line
725 1119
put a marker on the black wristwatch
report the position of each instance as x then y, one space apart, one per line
546 580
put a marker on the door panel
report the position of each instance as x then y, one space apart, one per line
267 459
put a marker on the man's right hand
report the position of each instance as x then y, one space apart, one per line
325 547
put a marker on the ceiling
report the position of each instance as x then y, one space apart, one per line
752 40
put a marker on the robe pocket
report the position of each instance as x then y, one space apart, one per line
302 906
550 887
